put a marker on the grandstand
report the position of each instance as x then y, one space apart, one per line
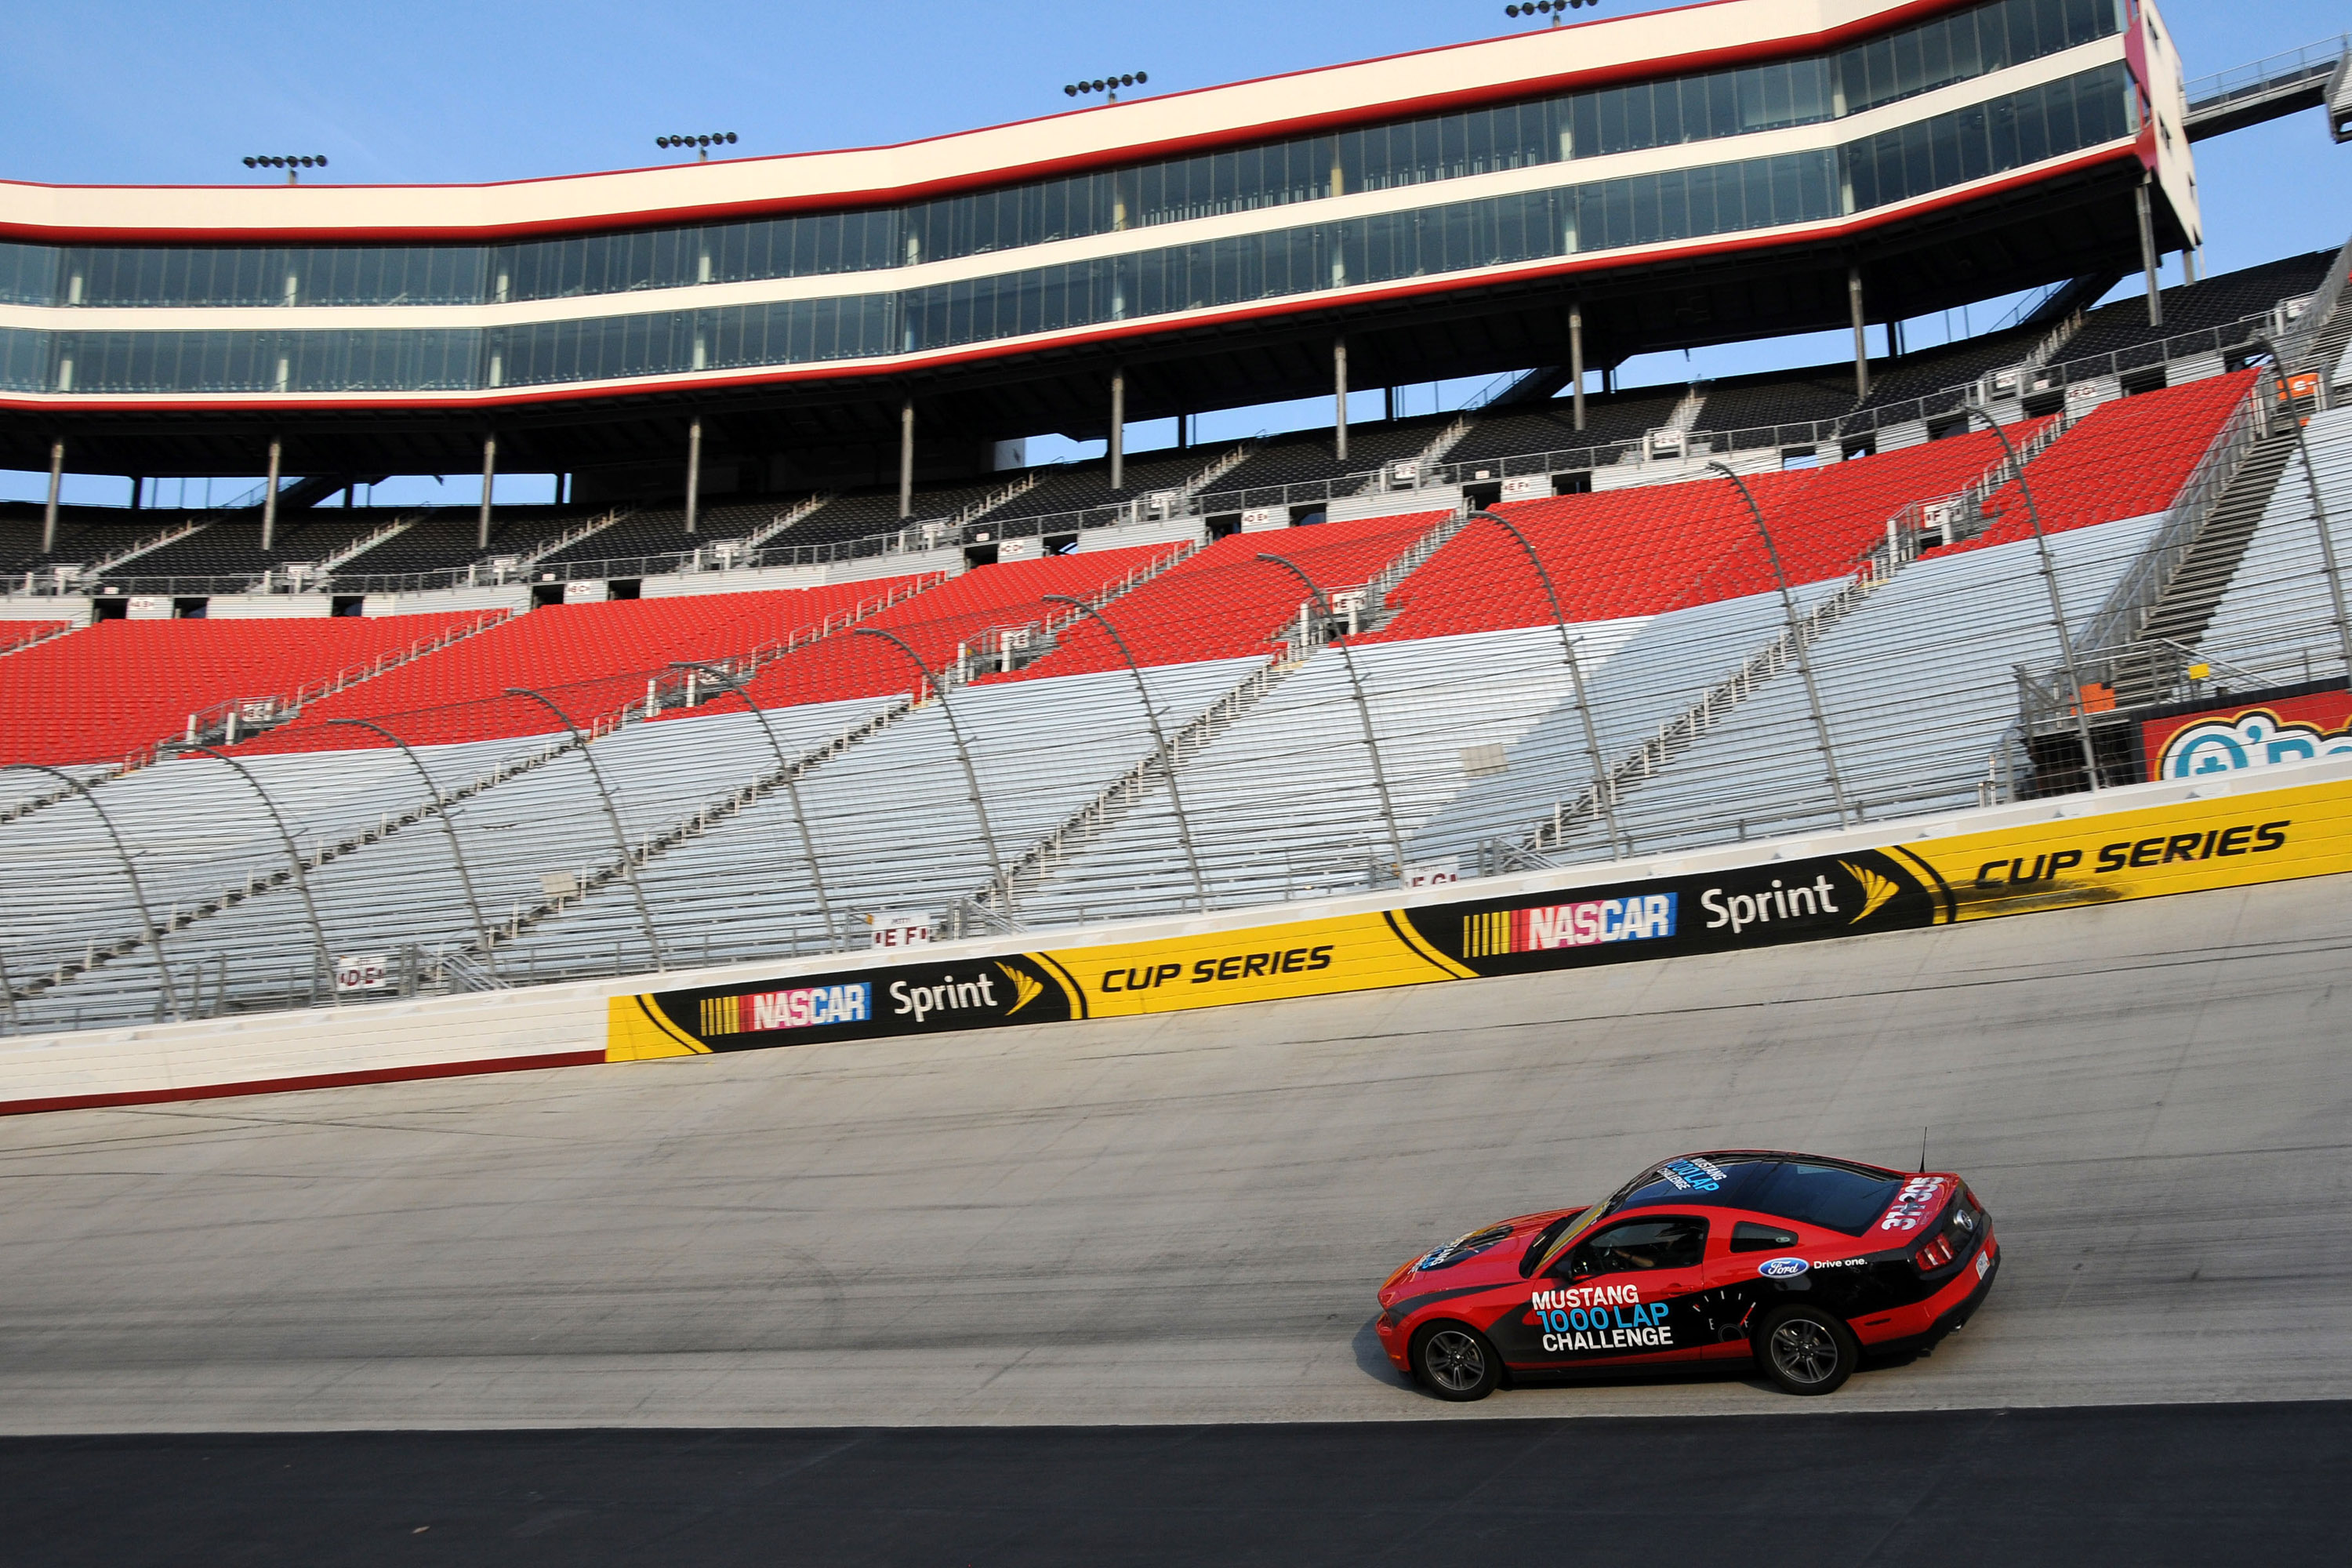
646 727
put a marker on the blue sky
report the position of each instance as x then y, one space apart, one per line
135 92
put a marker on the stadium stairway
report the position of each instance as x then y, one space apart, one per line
2191 596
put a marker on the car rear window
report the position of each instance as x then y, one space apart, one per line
1833 1197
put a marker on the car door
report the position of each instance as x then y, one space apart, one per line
1628 1292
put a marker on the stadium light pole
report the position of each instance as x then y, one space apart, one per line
963 752
1603 795
293 860
1106 84
785 771
449 829
1363 708
701 144
2318 511
293 166
1158 741
2050 583
1796 639
129 874
620 839
1557 8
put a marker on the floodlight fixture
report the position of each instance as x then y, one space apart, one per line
1106 84
1553 8
293 164
701 144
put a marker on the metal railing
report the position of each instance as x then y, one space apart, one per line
2258 79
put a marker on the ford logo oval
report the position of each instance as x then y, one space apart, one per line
1782 1268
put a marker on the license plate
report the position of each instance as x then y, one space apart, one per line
1984 1262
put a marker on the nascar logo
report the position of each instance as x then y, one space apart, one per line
1645 917
802 1008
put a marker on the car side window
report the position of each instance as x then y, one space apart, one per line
1749 1237
1640 1246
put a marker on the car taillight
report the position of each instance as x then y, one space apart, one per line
1935 1255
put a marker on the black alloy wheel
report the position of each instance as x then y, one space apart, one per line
1455 1363
1806 1351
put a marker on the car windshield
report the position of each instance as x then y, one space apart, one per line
1834 1197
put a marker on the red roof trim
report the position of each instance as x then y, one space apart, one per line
686 212
1299 304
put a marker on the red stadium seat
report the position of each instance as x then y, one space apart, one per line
113 688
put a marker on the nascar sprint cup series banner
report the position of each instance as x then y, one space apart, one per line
2274 835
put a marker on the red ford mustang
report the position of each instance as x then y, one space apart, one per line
1802 1263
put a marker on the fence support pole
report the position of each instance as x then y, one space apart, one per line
612 817
441 811
129 874
1363 708
963 752
789 773
2318 513
2050 581
293 860
1603 795
1158 741
1796 639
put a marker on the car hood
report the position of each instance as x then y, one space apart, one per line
1487 1256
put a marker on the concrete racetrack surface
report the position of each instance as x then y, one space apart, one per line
1181 1219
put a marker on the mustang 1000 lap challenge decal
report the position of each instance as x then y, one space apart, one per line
2232 841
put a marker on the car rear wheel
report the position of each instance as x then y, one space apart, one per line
1454 1361
1806 1351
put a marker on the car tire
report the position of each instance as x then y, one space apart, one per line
1804 1350
1454 1361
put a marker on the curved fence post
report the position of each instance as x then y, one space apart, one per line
785 771
612 817
1796 637
1159 740
449 829
1363 708
293 858
1603 794
2319 514
129 874
971 777
2057 606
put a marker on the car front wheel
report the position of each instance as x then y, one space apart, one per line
1806 1351
1454 1362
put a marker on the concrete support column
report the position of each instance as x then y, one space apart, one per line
1576 357
269 494
906 458
50 511
2147 256
1119 430
693 467
490 479
2189 265
1339 395
1861 344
